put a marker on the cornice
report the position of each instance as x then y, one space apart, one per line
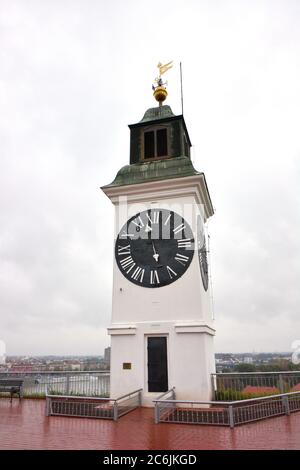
163 189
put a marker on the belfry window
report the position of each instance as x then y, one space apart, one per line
155 143
149 144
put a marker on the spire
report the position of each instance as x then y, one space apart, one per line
159 90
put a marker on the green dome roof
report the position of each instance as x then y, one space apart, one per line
154 170
159 112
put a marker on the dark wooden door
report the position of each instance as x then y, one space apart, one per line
157 364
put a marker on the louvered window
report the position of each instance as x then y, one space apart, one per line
155 143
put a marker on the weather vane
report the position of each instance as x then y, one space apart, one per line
159 89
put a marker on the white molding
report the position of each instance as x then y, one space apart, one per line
195 327
122 330
163 189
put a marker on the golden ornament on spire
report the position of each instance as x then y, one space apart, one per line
164 68
159 90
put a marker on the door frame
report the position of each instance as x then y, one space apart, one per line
155 335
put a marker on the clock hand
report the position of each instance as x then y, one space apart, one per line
156 255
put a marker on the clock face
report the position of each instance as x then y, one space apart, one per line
154 248
202 253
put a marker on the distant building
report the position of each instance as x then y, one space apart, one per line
248 360
107 355
21 368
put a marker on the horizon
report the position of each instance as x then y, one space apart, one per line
97 355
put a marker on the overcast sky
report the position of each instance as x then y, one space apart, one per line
73 74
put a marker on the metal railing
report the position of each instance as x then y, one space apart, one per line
91 407
88 407
162 405
226 413
128 402
241 386
90 384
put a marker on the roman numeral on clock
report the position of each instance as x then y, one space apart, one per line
123 250
182 259
155 217
185 243
138 274
138 222
154 279
167 219
125 235
171 272
127 263
179 228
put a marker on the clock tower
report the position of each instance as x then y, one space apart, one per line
161 324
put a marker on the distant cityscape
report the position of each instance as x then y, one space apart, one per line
225 362
55 363
255 362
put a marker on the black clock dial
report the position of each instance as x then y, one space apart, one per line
202 253
154 248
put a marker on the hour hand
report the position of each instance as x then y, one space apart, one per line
156 255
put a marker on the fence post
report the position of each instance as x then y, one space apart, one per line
231 418
104 386
68 385
108 385
156 412
213 390
285 404
47 406
281 385
115 409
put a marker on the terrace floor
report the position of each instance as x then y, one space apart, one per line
23 425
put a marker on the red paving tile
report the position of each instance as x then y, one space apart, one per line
23 425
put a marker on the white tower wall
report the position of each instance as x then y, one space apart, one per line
181 311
